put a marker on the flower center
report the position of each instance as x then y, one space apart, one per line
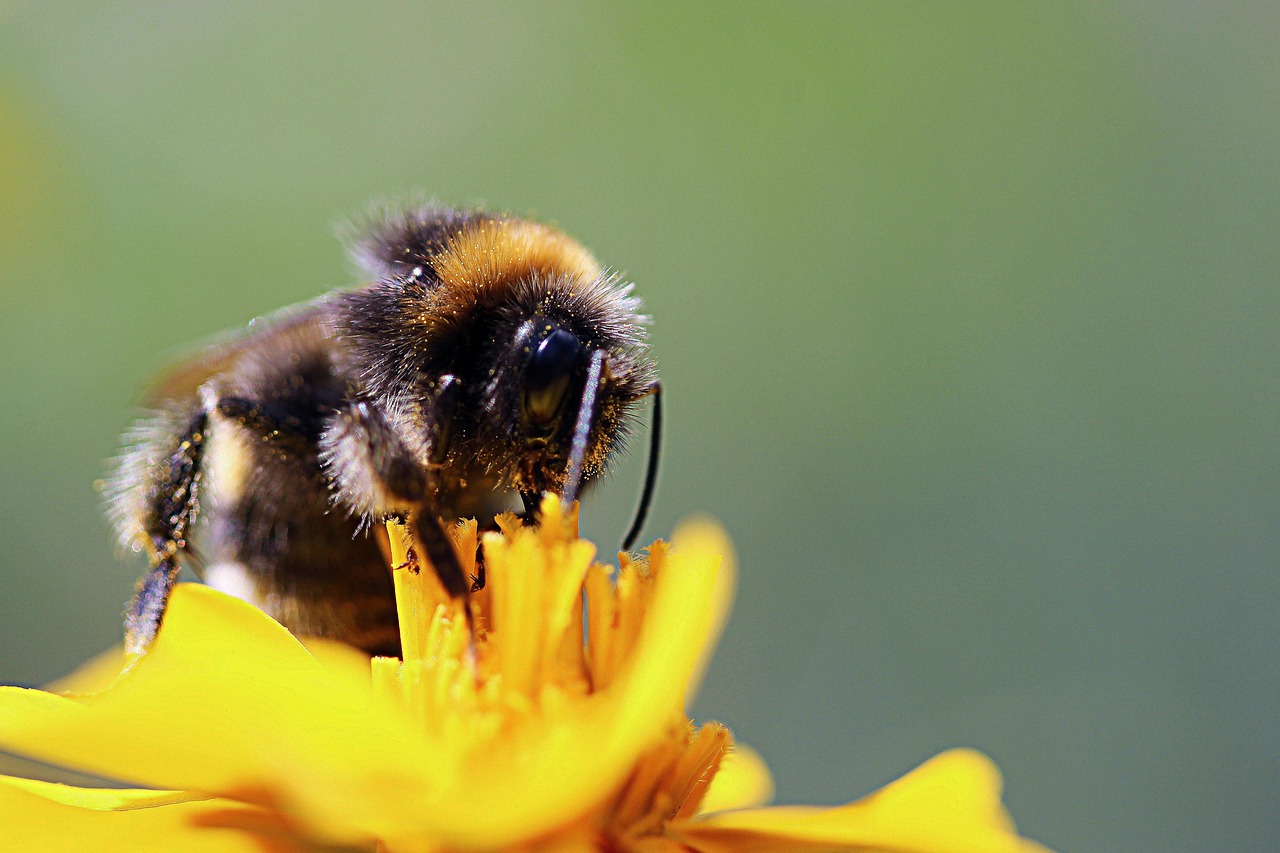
532 660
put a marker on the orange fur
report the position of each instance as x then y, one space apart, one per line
482 261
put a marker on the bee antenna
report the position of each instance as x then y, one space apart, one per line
582 428
651 469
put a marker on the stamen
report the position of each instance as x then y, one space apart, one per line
699 763
556 628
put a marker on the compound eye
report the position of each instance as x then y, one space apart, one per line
549 375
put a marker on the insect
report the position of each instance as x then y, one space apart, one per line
490 357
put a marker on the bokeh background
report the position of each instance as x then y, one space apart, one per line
967 314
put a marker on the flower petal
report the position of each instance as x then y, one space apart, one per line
555 768
704 541
49 817
690 602
343 661
227 702
743 781
93 675
950 804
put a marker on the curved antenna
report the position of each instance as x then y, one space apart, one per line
582 429
651 469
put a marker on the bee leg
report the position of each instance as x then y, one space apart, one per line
428 532
531 501
374 475
477 580
172 503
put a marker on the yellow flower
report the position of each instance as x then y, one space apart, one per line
535 723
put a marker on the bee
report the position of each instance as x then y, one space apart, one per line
489 357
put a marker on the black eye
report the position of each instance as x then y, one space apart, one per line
549 374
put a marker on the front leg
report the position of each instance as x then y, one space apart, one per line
374 475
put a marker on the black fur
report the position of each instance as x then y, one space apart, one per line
397 243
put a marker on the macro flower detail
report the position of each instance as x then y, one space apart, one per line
550 716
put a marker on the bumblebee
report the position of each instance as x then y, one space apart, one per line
490 357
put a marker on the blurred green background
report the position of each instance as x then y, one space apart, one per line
968 316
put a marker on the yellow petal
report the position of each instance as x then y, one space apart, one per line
229 703
47 817
950 804
28 768
742 782
706 540
93 675
339 659
553 769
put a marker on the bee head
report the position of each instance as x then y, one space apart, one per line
537 391
504 350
